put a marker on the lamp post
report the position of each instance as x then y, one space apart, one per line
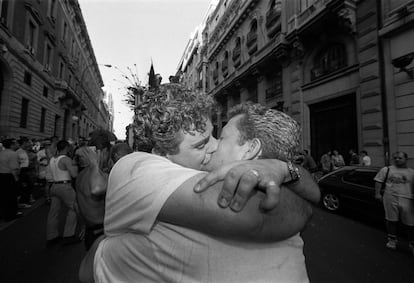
83 73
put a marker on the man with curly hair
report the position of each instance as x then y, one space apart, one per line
158 230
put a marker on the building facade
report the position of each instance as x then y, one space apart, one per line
50 83
342 68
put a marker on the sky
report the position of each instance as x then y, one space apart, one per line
131 33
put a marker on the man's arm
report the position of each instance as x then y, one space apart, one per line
67 165
200 212
271 174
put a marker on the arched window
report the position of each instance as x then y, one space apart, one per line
329 60
251 39
237 50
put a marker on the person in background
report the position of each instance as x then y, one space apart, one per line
337 160
354 158
9 172
26 172
308 162
62 171
398 198
326 162
365 159
50 148
91 185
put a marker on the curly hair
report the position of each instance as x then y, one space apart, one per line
278 132
164 114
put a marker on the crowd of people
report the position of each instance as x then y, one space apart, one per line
55 168
194 208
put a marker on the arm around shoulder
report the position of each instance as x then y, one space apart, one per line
201 213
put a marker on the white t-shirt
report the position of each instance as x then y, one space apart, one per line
399 181
366 160
138 248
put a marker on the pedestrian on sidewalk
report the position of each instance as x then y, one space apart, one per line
365 159
354 158
9 172
326 162
91 185
62 192
398 198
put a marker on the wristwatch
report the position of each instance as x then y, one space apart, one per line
293 172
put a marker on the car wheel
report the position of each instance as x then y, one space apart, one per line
331 202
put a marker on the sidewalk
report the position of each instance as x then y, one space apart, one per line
26 211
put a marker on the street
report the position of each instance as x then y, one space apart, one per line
337 249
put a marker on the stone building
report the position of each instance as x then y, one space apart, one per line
342 68
50 83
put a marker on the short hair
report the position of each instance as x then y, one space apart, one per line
401 152
364 152
278 132
7 143
61 145
121 149
164 113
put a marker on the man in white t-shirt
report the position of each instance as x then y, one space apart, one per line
158 230
398 198
365 159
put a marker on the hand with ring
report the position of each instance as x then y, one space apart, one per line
242 179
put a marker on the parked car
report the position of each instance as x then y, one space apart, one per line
351 188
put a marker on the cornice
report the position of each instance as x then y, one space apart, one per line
223 32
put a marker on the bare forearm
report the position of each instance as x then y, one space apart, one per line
288 218
306 187
200 212
378 188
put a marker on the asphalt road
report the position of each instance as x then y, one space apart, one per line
337 249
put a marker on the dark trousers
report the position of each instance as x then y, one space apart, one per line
8 196
92 233
26 180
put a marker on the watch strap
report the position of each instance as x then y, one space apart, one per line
293 172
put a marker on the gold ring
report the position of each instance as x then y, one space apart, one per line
255 173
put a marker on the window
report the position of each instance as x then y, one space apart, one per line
24 113
61 70
304 4
56 125
42 120
72 48
45 91
4 9
27 78
51 9
47 59
64 32
329 60
361 178
31 36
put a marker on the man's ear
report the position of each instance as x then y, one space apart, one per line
254 149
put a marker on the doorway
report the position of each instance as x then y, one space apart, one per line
334 126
